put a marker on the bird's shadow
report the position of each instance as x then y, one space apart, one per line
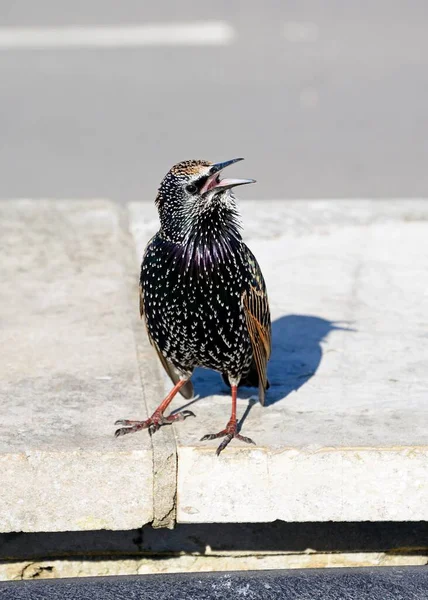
296 355
297 352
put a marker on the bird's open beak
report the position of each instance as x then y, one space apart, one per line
214 181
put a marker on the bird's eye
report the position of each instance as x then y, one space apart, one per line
191 188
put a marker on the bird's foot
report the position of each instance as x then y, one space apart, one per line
153 423
230 432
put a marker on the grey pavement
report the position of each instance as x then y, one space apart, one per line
324 99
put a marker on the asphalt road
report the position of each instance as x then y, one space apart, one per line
323 98
382 583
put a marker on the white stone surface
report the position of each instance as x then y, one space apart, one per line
68 370
344 435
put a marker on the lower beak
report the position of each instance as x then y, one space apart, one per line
225 184
214 181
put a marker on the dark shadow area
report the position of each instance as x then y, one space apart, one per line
296 352
251 403
296 355
400 538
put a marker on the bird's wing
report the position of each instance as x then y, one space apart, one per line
141 301
257 315
187 390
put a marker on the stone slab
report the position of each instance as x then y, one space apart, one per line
344 435
68 371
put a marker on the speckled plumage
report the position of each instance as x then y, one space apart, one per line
203 295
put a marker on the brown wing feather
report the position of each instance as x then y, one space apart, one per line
187 390
141 302
257 315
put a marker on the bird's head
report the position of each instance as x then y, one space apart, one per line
193 194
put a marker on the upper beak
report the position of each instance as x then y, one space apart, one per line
214 182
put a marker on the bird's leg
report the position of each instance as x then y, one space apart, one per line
231 429
157 419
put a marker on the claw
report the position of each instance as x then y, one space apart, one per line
153 423
213 436
126 422
225 442
124 430
188 413
229 433
181 416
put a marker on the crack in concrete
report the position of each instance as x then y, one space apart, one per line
40 571
164 450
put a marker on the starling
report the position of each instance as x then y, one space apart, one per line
202 293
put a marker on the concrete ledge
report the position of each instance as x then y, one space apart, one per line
408 583
344 435
68 371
